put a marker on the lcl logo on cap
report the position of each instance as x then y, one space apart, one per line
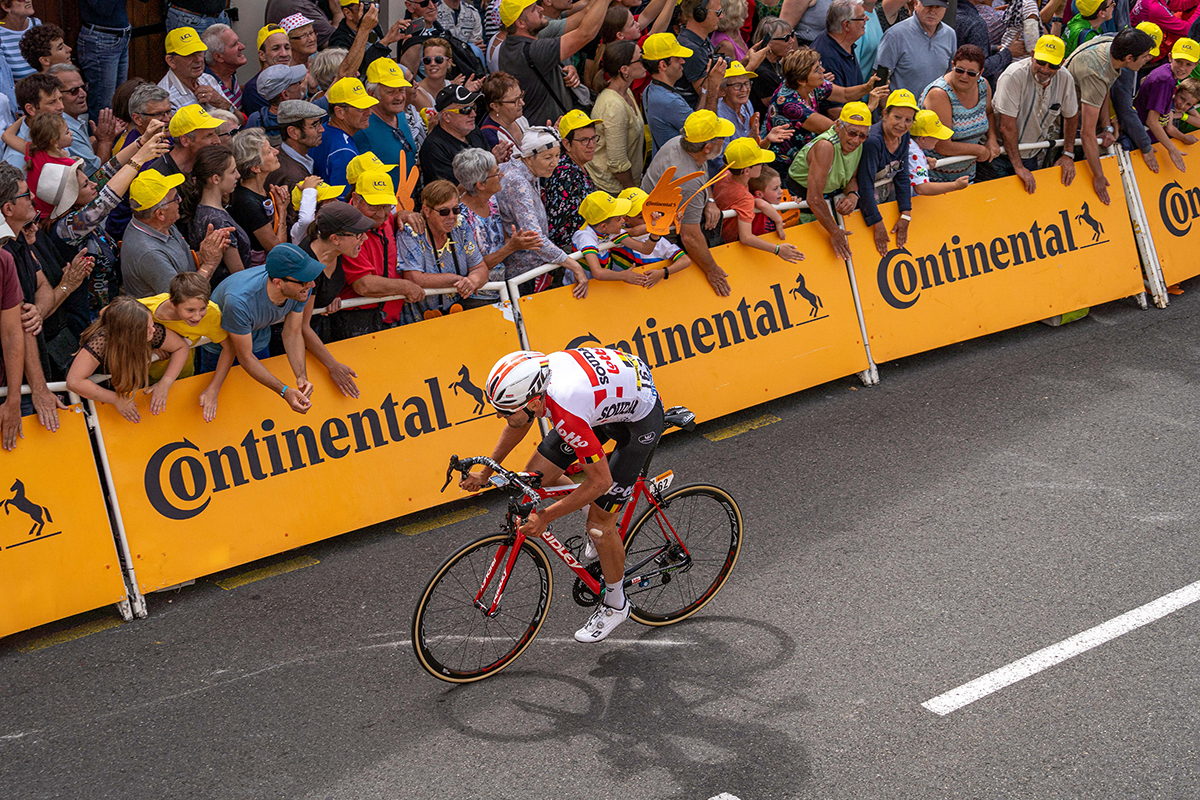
379 185
184 37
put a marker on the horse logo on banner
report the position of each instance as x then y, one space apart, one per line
464 383
27 507
1086 217
800 290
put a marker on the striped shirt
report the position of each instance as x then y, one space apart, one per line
10 46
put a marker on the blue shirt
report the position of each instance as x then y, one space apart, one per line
666 111
388 143
875 160
81 143
332 155
868 45
914 58
741 126
246 308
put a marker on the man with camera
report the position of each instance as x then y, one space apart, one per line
701 18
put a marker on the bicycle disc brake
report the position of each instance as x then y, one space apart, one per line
582 594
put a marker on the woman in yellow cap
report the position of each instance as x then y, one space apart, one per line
884 158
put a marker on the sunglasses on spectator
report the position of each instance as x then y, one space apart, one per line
855 135
445 212
783 38
970 73
1047 64
299 283
18 197
81 88
427 60
421 3
469 111
857 19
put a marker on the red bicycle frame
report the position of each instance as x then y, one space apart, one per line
511 549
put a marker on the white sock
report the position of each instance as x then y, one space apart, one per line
614 595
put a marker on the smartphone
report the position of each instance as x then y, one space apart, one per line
882 74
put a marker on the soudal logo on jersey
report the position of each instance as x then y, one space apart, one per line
674 341
1178 207
182 478
902 277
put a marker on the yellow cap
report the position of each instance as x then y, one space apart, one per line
324 192
701 126
1155 33
266 31
636 197
1087 8
387 72
367 162
745 152
193 118
349 2
599 206
184 42
902 98
856 113
661 46
150 187
376 188
573 120
1187 49
510 10
927 123
1050 49
351 92
736 70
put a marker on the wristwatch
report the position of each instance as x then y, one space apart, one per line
1108 129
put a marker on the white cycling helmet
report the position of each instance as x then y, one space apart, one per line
516 378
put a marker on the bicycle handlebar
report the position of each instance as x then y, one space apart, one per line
500 479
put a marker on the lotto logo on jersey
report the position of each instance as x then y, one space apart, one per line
573 439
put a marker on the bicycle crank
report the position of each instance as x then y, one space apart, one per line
582 594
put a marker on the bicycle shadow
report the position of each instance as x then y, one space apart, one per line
707 713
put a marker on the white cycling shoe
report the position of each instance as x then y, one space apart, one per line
602 622
590 553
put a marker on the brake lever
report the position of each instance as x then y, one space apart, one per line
450 471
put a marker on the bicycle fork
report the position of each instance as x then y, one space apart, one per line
511 548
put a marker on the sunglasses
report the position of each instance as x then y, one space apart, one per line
427 60
1047 64
18 197
80 89
970 73
299 283
469 111
445 212
789 37
421 3
857 19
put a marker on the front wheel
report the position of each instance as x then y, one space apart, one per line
454 639
679 556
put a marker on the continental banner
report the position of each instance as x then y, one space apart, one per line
784 328
1172 202
198 498
57 553
991 257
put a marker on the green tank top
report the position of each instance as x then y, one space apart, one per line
844 166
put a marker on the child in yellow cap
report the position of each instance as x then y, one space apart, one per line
638 249
745 159
1155 99
926 131
603 218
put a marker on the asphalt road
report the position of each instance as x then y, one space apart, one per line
983 502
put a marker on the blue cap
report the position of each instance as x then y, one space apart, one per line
289 261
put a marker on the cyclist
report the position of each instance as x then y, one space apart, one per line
592 395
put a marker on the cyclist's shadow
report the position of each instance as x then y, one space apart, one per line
698 710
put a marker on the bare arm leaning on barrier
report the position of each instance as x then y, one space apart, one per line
1091 150
45 403
12 339
208 398
293 341
820 159
341 374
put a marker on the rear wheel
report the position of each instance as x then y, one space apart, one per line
678 557
458 642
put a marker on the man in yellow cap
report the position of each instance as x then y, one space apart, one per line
192 129
1096 66
388 134
153 251
570 182
186 79
884 158
1035 99
537 63
667 109
1155 98
274 47
374 272
828 165
702 140
349 111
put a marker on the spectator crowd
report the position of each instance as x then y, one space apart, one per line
156 230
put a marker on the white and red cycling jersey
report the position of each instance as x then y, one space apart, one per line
594 386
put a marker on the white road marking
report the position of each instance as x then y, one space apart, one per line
1057 653
724 796
544 640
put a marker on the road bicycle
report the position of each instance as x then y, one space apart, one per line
483 607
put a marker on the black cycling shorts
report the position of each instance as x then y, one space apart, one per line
635 443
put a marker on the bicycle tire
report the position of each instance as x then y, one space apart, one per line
455 641
710 529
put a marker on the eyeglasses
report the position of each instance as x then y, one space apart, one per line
970 73
585 140
355 235
445 212
304 35
1047 64
80 89
857 19
18 197
495 174
427 60
855 135
518 99
738 86
226 135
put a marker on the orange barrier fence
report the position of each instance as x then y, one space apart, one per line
57 554
1172 202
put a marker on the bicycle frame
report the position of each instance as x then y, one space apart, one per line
512 547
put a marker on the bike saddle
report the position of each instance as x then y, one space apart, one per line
680 417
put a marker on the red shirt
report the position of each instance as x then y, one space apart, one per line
729 194
377 256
